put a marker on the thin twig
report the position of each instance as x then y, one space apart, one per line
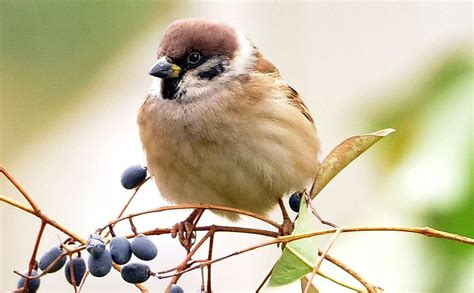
17 185
429 232
16 204
73 273
321 259
33 255
203 287
209 257
309 200
127 204
42 217
178 266
188 257
196 206
56 260
340 283
82 281
354 274
265 279
161 231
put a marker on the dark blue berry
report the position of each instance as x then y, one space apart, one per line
133 176
295 201
95 245
135 273
176 289
49 257
144 248
79 268
121 250
100 266
33 285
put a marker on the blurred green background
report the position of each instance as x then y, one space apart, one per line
65 68
51 50
433 116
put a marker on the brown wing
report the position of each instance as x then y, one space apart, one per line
264 66
295 99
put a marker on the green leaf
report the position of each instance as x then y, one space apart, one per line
343 154
298 257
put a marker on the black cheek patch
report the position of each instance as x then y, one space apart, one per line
212 72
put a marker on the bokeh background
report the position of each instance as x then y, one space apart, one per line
74 73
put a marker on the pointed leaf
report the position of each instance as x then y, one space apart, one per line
298 257
343 154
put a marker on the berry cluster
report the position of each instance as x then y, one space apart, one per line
121 250
100 259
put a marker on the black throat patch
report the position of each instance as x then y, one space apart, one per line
169 88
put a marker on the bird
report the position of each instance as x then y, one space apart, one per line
220 126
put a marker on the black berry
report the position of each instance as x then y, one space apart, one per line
48 258
144 248
33 285
100 266
95 245
133 176
295 201
176 289
135 273
121 250
79 268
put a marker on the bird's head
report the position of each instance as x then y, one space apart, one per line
197 56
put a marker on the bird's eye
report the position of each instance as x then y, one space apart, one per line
194 58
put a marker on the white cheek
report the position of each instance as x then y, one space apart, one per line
244 58
192 86
155 88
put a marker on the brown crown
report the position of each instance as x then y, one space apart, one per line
188 35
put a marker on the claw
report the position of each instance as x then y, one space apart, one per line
189 227
185 230
287 227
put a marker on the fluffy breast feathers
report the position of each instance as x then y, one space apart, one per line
243 146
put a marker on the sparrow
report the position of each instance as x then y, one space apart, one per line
220 126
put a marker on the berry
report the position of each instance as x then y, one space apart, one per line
133 176
176 289
144 248
33 285
100 266
295 201
95 245
135 273
120 250
79 268
49 257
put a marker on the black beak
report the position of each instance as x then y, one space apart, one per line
165 69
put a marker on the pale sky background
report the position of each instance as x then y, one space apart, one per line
335 55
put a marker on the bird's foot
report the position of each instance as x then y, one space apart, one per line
186 234
185 230
287 227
